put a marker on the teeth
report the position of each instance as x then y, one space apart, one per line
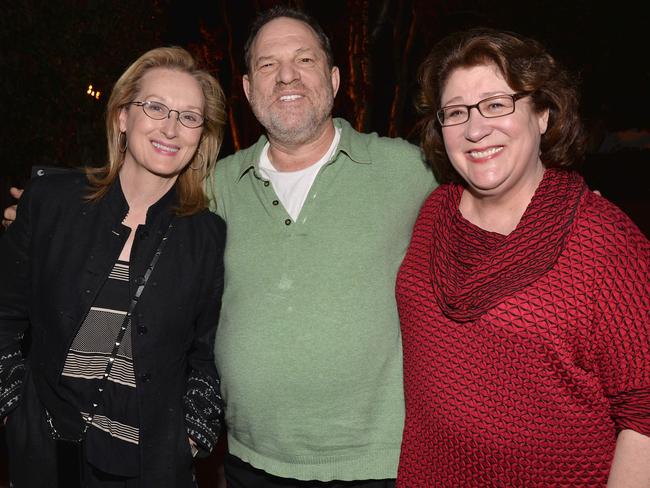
486 153
288 98
158 145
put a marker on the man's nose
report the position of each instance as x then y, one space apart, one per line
287 73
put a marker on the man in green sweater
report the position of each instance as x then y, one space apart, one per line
319 218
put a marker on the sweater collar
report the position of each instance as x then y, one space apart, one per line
350 143
473 270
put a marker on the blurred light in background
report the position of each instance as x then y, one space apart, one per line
93 93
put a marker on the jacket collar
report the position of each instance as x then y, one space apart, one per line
118 206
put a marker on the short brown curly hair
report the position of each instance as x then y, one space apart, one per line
527 67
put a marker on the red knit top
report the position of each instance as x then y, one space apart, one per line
523 355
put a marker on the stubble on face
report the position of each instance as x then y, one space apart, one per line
288 125
293 64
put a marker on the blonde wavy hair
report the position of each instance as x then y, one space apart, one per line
190 183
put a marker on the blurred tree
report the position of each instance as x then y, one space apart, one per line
51 51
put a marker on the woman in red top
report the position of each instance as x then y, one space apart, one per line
523 297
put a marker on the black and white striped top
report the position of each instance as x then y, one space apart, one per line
112 439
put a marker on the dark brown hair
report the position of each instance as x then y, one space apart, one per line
527 67
283 11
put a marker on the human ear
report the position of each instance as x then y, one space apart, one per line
246 85
542 121
122 119
336 79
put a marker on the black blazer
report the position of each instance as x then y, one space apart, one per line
53 261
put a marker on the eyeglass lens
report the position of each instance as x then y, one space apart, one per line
490 108
159 111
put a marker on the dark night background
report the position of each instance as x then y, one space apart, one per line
50 52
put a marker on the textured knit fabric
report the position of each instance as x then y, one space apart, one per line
485 268
308 345
239 474
533 391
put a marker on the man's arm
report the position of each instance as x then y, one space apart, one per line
14 297
9 214
631 465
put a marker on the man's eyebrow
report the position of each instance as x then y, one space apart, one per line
305 49
262 58
301 50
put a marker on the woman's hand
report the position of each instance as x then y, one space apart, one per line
193 447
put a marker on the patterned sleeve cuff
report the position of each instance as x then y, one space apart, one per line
12 369
203 410
631 410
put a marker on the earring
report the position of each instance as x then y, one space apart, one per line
200 165
122 137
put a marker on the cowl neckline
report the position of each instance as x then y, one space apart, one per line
473 270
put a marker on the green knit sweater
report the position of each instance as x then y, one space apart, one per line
308 345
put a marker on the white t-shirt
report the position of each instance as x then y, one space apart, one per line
292 187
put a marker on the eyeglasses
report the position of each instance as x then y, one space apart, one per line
490 108
160 111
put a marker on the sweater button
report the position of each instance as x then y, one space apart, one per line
145 378
275 202
287 222
142 330
266 183
139 280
